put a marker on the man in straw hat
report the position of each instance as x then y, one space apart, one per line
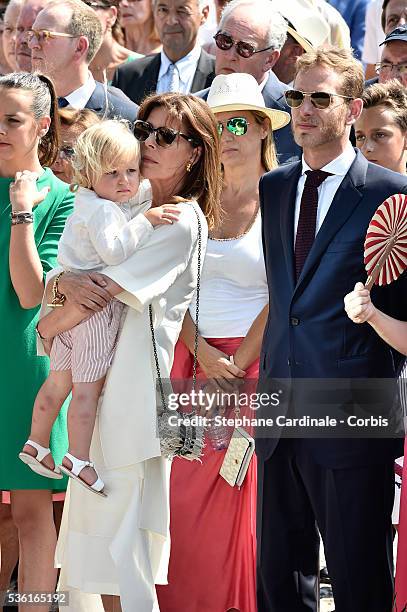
306 29
340 477
249 39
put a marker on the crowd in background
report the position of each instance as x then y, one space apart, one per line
186 186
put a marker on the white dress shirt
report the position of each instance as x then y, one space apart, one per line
100 233
80 97
338 167
186 67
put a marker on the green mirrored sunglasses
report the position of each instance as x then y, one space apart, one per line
236 126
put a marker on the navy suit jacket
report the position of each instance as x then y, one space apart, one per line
139 78
118 105
273 94
308 334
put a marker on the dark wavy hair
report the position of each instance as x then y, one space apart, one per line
44 104
204 181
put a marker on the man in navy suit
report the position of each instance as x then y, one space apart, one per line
257 23
65 55
315 215
182 66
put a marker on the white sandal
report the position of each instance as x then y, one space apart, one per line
77 466
35 463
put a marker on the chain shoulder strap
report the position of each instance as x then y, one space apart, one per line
150 312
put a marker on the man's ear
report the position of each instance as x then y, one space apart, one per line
82 47
112 16
204 14
355 108
271 59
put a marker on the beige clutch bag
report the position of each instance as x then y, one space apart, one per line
237 458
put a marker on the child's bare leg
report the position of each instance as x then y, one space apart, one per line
81 421
47 405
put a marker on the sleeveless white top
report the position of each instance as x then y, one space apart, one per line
233 285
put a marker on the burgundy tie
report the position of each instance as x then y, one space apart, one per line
308 217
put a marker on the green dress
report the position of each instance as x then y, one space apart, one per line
22 372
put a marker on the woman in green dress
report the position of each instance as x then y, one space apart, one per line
28 249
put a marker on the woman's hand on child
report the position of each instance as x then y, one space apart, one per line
163 215
24 194
86 290
358 304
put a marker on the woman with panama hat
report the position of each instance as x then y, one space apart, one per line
212 565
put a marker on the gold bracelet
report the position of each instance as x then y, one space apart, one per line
58 298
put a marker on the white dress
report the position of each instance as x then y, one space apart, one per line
119 545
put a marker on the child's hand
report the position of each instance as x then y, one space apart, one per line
358 304
163 215
24 194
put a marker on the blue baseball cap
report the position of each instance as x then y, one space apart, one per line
399 33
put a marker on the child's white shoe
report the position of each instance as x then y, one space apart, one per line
35 462
77 466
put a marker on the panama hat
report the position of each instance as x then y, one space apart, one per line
240 91
305 23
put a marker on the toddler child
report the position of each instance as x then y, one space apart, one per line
103 230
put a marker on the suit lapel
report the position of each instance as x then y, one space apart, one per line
345 201
273 93
97 100
287 208
147 83
203 69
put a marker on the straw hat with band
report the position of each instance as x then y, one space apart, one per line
305 23
240 91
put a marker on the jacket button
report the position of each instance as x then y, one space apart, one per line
295 321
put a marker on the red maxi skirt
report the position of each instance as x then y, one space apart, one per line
213 529
401 569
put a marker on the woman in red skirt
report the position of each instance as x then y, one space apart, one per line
212 564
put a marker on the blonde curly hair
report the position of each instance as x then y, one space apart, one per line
101 149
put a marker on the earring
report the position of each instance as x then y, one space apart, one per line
189 166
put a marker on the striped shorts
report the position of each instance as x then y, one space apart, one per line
88 348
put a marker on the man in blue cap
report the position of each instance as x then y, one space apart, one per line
393 63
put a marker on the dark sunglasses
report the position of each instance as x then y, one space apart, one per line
244 49
319 99
164 136
236 126
66 152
